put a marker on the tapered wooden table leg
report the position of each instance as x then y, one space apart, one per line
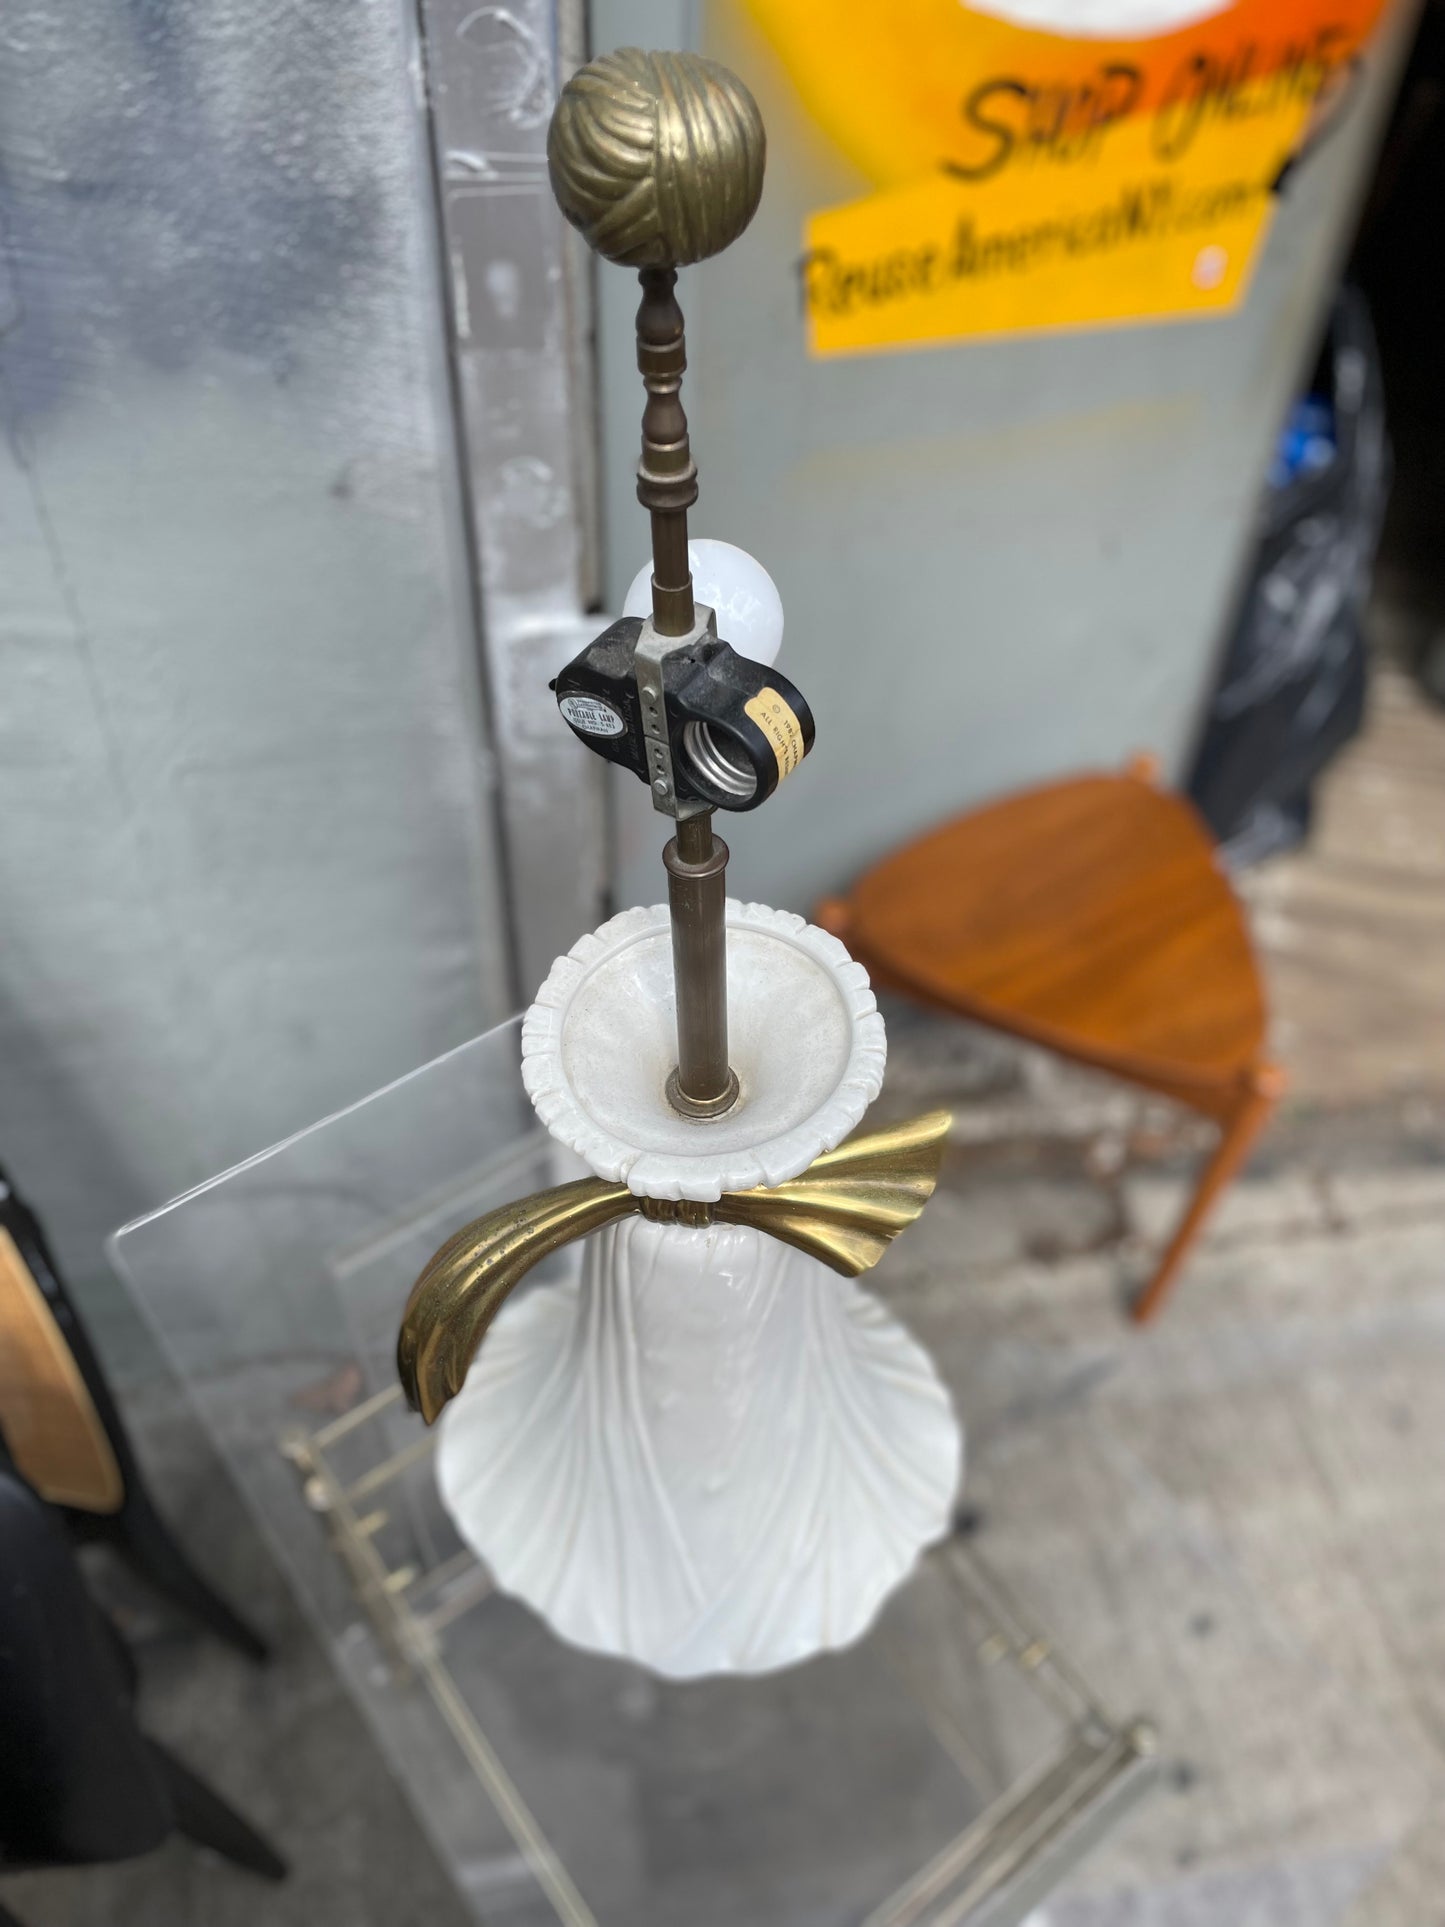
1262 1090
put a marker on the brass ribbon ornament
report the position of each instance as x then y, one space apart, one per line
845 1209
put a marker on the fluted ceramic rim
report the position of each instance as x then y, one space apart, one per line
701 1174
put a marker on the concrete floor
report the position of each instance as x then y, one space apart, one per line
1234 1521
1352 928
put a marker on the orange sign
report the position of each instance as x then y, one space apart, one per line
1026 179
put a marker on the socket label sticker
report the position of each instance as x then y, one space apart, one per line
592 716
781 727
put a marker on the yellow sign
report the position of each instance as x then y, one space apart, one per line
1027 179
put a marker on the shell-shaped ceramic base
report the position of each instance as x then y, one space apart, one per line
707 1454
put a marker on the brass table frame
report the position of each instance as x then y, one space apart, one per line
992 1874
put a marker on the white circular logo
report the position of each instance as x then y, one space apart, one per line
1101 19
591 715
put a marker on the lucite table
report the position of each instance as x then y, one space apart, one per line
949 1768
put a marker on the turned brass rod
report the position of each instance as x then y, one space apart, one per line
703 1084
666 474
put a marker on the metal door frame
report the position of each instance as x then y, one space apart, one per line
518 298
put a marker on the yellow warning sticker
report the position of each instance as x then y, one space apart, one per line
781 727
1020 178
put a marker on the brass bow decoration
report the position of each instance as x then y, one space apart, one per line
845 1209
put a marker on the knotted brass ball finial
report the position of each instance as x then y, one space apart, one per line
656 157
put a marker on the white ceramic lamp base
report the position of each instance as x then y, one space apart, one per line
709 1453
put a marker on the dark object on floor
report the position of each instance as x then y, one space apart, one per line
66 1433
1402 273
1292 687
1430 666
79 1782
1091 917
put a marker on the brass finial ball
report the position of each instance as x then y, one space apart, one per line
656 157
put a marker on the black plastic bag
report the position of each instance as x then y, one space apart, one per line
1292 688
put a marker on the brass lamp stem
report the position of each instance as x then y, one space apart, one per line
702 1084
666 474
657 158
696 861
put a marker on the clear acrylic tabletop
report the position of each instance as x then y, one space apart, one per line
947 1769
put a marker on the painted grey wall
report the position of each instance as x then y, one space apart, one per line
998 560
246 867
